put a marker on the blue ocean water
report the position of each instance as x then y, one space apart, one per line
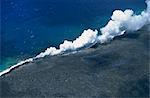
30 26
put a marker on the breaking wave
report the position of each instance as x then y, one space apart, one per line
121 21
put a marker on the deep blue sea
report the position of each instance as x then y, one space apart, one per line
30 26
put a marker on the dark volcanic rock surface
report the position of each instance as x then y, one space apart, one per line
117 69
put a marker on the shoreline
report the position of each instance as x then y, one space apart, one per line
30 60
118 69
114 28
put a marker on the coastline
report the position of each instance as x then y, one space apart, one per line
30 60
114 28
120 69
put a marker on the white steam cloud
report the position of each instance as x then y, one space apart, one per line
87 38
121 21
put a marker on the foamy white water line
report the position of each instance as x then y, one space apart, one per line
121 21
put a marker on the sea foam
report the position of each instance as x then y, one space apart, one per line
121 21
